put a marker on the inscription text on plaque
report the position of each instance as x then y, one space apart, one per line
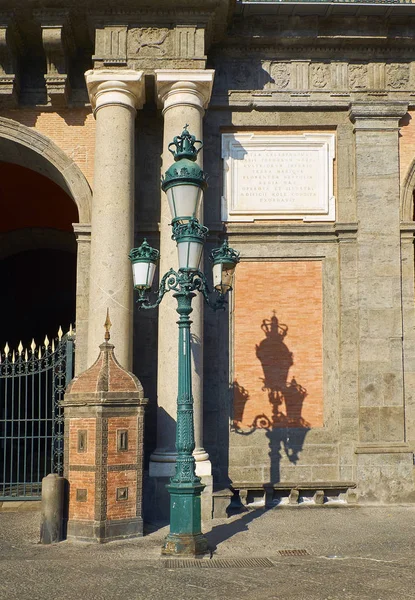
270 176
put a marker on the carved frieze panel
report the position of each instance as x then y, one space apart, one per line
306 77
320 76
339 76
358 79
281 74
149 41
398 76
111 45
150 46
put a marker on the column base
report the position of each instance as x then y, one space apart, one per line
187 545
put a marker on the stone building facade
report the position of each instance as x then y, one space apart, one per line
306 113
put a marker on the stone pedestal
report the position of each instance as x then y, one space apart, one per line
379 301
183 95
104 416
115 95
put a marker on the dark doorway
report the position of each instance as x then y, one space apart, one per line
37 257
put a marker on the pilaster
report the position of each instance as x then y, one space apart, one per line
379 288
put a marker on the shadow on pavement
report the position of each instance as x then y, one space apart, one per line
224 532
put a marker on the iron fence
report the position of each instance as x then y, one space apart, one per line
32 385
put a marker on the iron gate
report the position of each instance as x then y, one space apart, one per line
32 385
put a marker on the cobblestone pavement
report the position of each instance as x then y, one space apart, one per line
352 553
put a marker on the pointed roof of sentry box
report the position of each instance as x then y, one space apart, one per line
106 378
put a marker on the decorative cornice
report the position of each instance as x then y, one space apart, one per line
108 87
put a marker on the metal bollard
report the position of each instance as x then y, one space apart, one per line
51 520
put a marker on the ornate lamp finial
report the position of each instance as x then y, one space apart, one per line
107 326
185 146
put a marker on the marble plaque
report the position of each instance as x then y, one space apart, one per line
269 176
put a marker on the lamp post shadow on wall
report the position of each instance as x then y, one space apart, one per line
184 183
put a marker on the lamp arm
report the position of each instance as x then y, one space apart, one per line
168 282
201 284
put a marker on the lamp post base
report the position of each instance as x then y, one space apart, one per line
185 537
185 545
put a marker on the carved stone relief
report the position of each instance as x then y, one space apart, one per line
358 79
398 76
280 75
336 77
149 41
320 76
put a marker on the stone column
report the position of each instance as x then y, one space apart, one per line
183 96
115 95
382 449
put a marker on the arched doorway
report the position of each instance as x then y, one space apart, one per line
42 193
37 257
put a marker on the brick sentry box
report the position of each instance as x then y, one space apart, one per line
104 416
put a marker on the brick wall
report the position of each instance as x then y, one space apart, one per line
85 509
123 508
278 359
73 130
87 456
124 457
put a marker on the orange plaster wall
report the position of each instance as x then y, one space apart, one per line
73 130
278 376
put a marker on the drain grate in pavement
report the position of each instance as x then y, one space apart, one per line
300 552
216 563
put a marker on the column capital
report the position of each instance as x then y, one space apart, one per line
109 87
175 87
375 116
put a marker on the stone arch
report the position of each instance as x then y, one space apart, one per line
407 194
26 147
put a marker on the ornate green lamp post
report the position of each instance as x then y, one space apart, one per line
184 183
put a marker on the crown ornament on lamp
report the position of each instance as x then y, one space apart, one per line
184 181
